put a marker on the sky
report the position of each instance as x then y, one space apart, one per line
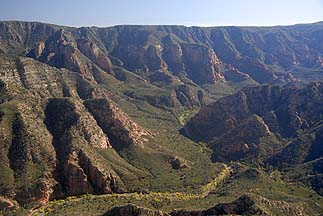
166 12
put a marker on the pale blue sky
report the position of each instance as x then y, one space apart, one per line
179 12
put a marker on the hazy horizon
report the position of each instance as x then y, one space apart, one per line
188 13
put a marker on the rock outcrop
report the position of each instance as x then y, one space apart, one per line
242 140
96 53
71 126
238 124
201 54
84 177
202 64
187 96
62 130
50 141
116 125
60 50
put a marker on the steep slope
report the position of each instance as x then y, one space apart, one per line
203 55
83 50
204 60
97 111
63 135
254 113
50 138
278 126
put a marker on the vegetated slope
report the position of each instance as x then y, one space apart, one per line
49 137
179 59
280 126
241 192
174 48
63 135
97 110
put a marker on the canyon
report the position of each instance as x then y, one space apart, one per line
143 118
